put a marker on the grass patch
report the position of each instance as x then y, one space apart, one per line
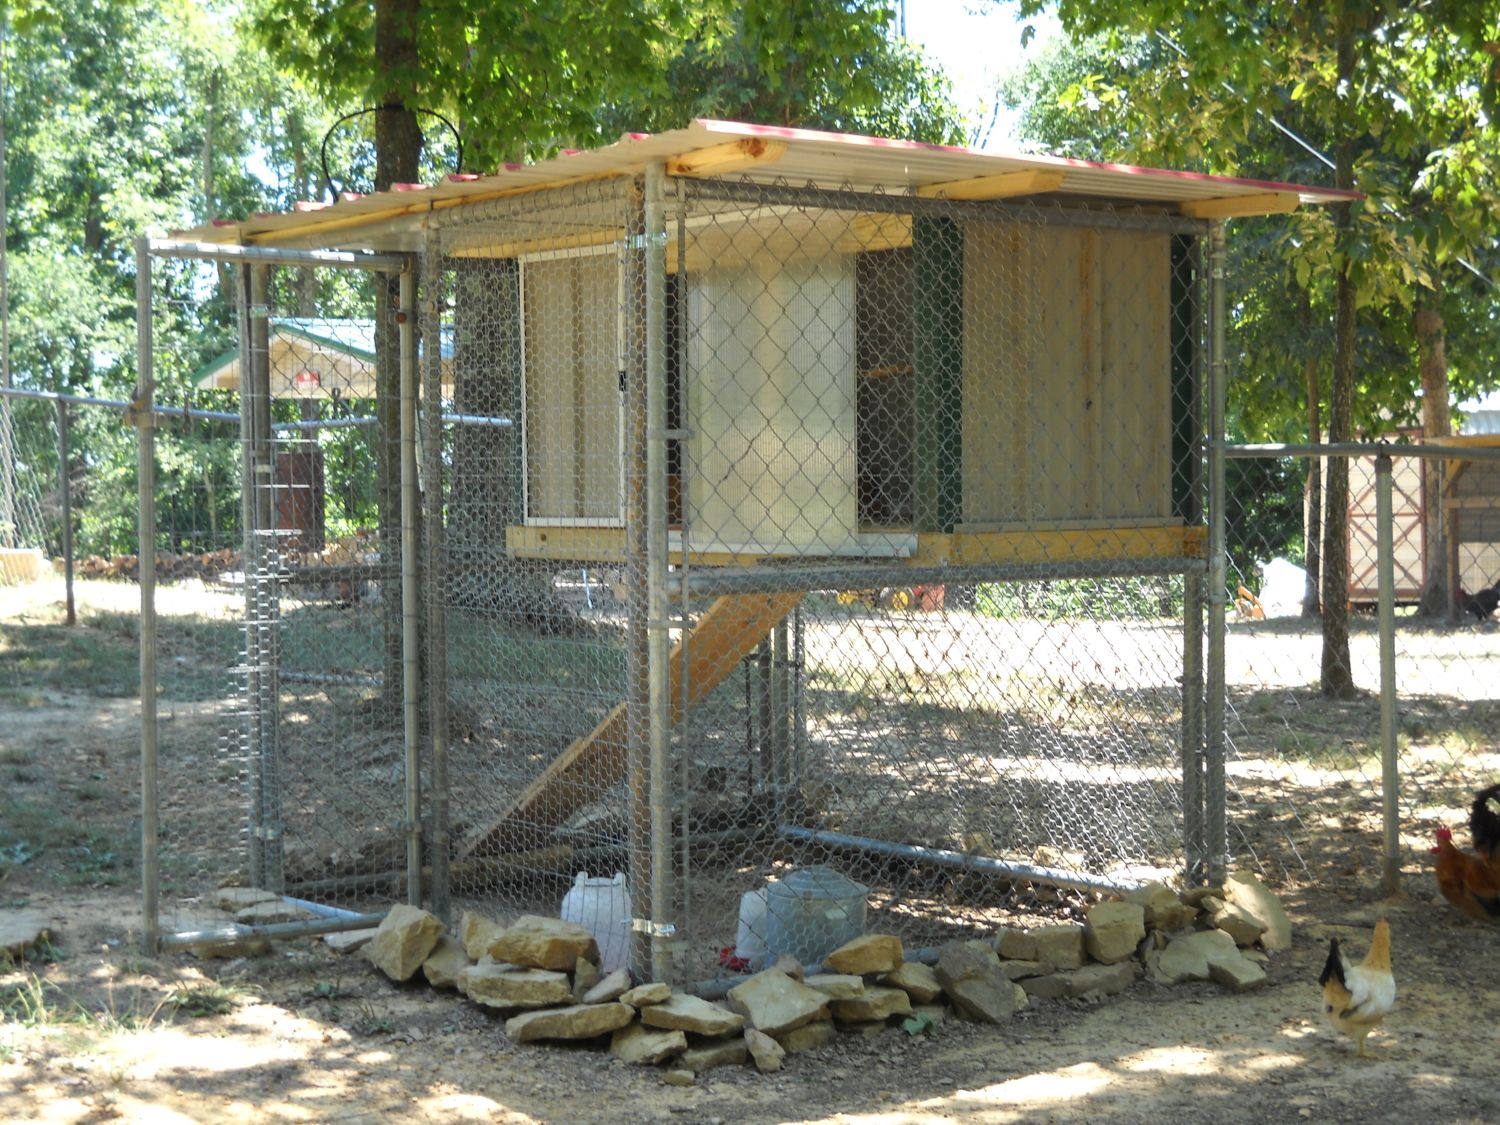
81 853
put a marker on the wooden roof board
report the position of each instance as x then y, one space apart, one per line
392 220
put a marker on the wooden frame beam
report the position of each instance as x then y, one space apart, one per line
1240 206
720 160
1029 181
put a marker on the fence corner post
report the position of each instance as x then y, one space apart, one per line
1390 877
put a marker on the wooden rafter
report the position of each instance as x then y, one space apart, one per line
1239 206
1029 181
720 160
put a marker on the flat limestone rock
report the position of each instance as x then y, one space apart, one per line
1238 974
444 964
767 1053
585 976
20 930
1018 970
237 898
611 987
730 1052
637 1044
1059 946
348 941
970 974
479 934
1255 899
916 980
1113 930
403 941
836 986
581 1021
878 1003
871 953
807 1037
1101 980
505 986
679 1076
1188 957
1163 909
691 1013
643 994
1015 944
545 943
1238 923
773 1002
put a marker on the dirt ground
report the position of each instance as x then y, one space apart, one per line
93 1030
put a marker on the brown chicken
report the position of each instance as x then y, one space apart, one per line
1357 997
1470 883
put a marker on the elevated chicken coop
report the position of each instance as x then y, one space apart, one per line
787 506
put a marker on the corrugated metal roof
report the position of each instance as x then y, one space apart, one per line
387 220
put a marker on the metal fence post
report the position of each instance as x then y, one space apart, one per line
145 423
410 659
1216 838
660 641
1390 879
65 485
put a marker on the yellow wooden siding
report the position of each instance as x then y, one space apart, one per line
1067 414
771 388
572 387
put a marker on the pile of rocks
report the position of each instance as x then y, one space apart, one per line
544 975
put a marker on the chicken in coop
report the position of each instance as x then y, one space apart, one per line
1471 883
1357 997
1480 605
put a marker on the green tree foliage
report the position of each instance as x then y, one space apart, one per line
1404 98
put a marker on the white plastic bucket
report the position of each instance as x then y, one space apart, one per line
750 936
602 906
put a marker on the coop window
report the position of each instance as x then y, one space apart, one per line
574 402
885 410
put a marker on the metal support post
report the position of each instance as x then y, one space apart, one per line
145 424
65 486
1390 879
1216 840
267 604
435 574
410 633
659 645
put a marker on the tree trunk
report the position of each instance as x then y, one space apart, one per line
1312 508
398 147
1337 679
1437 423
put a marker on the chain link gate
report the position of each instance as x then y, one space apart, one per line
278 754
841 567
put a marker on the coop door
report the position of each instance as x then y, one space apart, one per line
771 387
574 408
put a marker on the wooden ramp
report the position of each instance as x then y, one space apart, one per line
727 633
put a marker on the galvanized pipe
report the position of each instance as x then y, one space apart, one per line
1390 879
1216 835
65 486
1192 731
410 633
249 548
941 857
1431 450
145 390
274 256
185 412
230 935
436 573
485 420
771 579
659 641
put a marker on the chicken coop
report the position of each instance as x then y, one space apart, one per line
808 528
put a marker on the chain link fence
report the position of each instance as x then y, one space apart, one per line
768 562
1306 771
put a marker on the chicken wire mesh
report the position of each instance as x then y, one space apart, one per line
1305 769
833 571
277 771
